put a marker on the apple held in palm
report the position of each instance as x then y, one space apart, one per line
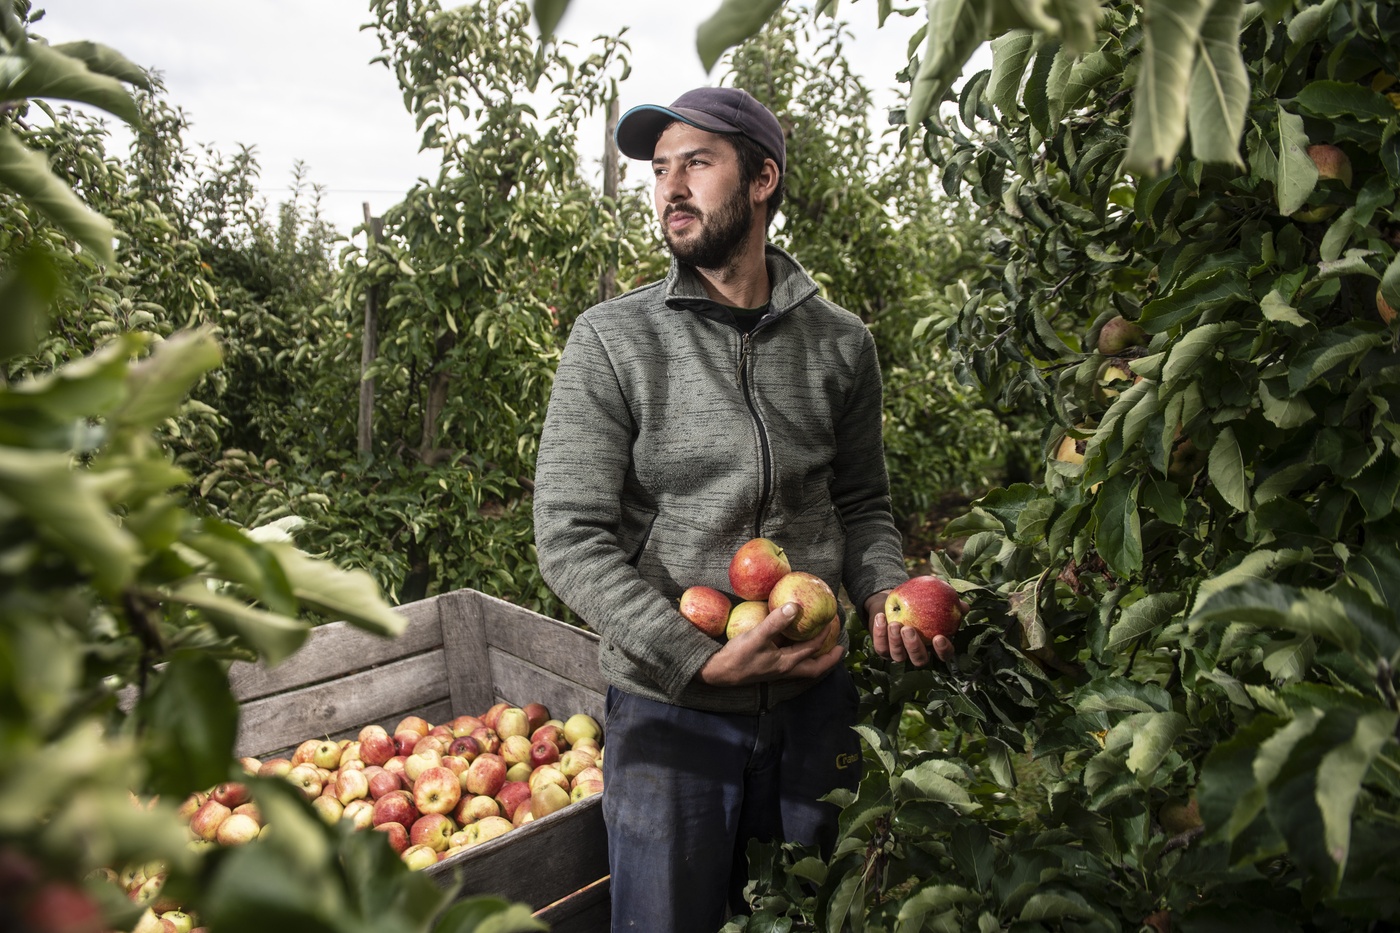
928 604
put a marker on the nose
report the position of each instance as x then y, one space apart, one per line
671 187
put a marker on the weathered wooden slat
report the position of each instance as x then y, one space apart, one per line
538 863
464 640
434 713
564 649
520 682
346 703
587 910
336 649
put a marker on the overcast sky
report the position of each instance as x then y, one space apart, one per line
294 79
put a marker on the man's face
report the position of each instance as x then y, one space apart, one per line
705 211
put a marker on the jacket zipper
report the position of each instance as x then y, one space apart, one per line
765 453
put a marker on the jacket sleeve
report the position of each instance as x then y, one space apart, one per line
583 462
874 558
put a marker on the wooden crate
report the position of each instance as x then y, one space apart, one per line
462 652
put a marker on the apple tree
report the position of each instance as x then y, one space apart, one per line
1175 703
120 607
476 274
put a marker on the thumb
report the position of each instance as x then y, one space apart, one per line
780 618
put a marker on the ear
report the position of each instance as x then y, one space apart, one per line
762 187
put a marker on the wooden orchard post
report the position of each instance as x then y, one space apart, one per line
369 349
607 285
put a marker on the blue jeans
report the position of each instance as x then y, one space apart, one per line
687 789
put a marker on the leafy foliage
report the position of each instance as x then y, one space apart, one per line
1197 603
119 606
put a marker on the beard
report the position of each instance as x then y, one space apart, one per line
721 236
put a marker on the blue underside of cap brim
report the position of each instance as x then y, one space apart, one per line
638 128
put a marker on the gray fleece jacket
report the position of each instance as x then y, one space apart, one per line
672 438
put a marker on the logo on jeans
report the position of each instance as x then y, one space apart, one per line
844 761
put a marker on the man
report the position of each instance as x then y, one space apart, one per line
729 401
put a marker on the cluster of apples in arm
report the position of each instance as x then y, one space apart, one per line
761 579
434 790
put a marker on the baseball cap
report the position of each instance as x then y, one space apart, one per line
715 109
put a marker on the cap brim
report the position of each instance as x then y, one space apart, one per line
639 128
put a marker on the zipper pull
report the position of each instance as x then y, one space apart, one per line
743 357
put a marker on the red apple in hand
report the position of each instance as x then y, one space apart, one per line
706 608
756 567
927 603
816 604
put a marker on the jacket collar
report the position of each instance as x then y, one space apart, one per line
789 283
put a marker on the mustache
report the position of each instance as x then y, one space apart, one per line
683 209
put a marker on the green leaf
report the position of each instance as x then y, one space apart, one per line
1339 777
1219 87
104 60
1119 694
28 289
274 637
1377 487
349 595
1333 99
378 888
157 385
27 174
1199 294
1011 53
1333 347
1285 412
1193 346
1277 309
1058 905
732 23
548 13
1119 536
955 30
1272 605
1145 616
238 558
1154 735
1171 30
1297 174
929 781
488 914
67 509
47 72
1226 467
1256 565
879 743
973 853
190 721
1390 282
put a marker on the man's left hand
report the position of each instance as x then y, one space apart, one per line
902 642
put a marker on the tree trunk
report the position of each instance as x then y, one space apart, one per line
607 285
369 349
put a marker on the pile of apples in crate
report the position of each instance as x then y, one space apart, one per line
434 790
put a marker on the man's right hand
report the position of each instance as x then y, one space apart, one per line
760 654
